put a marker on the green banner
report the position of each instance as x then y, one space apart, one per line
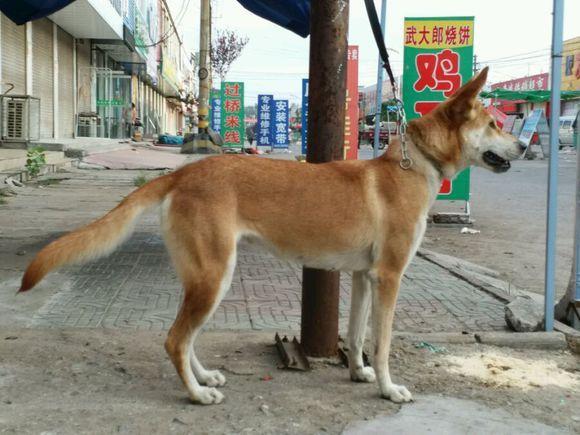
438 59
232 119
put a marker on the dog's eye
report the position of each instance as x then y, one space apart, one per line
492 124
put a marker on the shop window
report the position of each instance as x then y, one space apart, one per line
569 64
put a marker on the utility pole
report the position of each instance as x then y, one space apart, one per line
552 206
202 142
327 98
379 100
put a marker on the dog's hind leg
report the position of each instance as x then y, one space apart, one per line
179 343
205 261
359 314
214 378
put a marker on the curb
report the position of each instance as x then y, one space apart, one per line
524 340
49 168
487 281
514 340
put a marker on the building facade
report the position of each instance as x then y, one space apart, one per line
87 64
571 74
570 82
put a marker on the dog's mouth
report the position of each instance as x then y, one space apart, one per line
498 163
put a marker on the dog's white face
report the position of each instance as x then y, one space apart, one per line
486 145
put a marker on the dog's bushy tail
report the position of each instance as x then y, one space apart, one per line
98 238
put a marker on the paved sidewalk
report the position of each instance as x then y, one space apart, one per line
136 287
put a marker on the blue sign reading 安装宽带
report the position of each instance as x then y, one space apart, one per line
304 115
265 122
280 136
216 114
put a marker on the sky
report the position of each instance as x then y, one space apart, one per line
513 37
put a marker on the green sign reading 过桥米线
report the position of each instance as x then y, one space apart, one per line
232 126
438 59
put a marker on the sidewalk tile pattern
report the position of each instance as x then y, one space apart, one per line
136 287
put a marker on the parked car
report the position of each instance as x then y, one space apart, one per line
367 134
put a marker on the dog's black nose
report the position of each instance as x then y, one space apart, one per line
522 145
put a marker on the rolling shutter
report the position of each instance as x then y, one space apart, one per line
42 73
84 83
13 56
65 85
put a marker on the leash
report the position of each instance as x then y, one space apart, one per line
406 162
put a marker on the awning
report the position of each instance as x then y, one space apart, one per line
531 96
22 11
293 15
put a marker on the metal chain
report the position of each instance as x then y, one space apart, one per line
406 162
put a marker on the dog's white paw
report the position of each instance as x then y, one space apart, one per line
363 374
397 394
207 396
212 378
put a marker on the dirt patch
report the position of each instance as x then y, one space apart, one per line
98 380
498 369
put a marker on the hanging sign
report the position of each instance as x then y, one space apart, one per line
438 59
350 148
264 127
232 114
304 115
280 137
215 114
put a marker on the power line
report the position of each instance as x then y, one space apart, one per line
173 29
516 55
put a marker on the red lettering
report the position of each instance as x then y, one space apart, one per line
410 33
438 72
232 136
424 107
232 106
232 90
232 121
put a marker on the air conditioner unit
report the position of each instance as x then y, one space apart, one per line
20 118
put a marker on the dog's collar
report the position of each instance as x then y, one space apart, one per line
436 165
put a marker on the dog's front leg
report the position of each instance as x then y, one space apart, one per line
385 289
359 314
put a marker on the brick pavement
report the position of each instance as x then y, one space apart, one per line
136 287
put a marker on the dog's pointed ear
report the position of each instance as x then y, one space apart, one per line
460 106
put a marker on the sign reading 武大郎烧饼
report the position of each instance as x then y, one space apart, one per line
438 59
265 121
232 114
280 136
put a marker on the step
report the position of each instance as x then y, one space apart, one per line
13 163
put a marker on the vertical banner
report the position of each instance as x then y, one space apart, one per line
232 114
304 115
438 59
215 114
264 128
351 114
280 135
